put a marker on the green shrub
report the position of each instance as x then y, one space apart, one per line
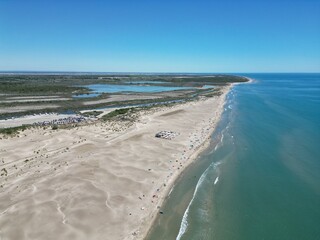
117 112
55 127
13 130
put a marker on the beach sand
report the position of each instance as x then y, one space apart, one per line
31 119
99 181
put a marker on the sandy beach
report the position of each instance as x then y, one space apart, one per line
105 180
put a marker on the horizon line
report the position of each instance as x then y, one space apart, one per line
145 72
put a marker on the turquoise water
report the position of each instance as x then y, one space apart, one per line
147 82
87 95
262 181
98 89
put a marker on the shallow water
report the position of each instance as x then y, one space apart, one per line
98 89
147 82
263 179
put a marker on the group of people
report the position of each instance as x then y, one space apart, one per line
62 121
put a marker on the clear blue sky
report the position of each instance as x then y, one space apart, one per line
160 36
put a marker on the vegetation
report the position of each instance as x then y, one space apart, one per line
13 130
67 85
55 127
92 113
118 112
76 106
33 88
72 83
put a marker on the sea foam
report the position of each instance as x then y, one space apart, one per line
184 221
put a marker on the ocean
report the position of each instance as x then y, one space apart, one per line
260 178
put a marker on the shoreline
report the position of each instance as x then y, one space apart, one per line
250 80
91 162
191 160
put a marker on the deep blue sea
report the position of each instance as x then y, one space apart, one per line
262 179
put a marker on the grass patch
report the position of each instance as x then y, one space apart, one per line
92 113
55 127
13 130
117 113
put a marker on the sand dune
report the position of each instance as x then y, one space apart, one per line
93 182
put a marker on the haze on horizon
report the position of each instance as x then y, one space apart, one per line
160 36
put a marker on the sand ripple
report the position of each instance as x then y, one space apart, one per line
94 183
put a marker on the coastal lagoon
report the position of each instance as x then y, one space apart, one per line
260 177
98 89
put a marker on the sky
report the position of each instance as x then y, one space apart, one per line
160 36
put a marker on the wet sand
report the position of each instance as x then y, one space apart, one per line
100 181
